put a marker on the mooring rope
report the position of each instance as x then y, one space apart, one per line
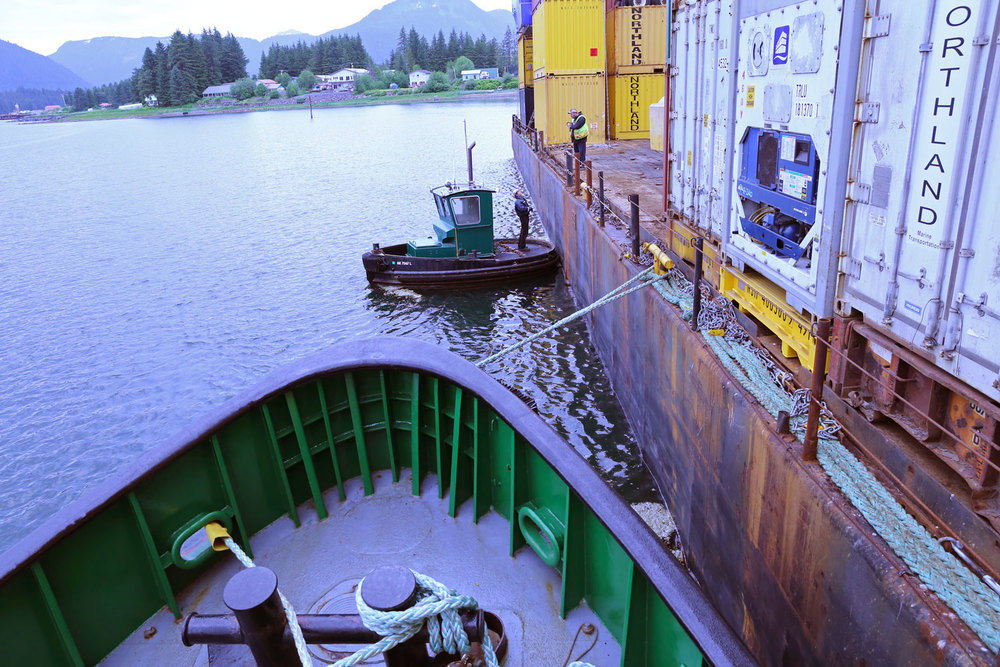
293 621
941 571
437 605
623 290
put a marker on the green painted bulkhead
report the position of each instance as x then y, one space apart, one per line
464 227
73 590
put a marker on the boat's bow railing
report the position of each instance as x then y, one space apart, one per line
383 404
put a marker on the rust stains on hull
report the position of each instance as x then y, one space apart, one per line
787 560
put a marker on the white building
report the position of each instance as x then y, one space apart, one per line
419 78
217 91
343 79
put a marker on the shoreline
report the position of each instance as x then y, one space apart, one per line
195 110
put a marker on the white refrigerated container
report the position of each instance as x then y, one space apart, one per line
921 239
701 111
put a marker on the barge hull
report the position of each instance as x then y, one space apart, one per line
786 559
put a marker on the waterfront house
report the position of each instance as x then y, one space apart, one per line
343 79
419 78
474 74
217 91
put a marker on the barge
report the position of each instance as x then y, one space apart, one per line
835 195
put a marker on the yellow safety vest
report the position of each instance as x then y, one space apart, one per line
583 131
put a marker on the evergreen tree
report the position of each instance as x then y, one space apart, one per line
508 52
437 56
454 45
161 77
233 61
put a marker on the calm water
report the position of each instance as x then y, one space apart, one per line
152 269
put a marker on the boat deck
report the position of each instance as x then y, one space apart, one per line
319 564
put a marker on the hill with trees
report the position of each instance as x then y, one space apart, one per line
106 59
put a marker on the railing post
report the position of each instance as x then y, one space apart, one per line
600 195
541 140
569 169
576 175
633 200
698 260
252 595
590 181
811 442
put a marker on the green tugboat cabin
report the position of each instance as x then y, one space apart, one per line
464 227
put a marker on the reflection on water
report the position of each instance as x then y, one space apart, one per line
153 269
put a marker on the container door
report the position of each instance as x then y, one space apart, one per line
787 72
919 232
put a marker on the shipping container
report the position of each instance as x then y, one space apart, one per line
702 102
525 62
522 14
656 118
921 241
630 96
568 38
637 40
556 95
787 71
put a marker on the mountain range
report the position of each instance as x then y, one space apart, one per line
21 68
110 59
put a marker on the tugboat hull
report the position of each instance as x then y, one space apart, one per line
392 266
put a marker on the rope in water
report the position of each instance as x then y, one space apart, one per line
293 621
941 571
643 278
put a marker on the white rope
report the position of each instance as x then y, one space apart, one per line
293 621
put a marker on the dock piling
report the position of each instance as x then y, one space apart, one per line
590 181
569 169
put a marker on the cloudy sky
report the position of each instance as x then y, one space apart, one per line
43 25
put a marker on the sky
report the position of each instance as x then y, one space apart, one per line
43 25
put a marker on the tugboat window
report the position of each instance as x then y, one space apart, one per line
466 210
442 211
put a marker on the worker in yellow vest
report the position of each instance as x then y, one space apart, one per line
579 129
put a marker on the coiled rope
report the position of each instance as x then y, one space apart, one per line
941 571
437 605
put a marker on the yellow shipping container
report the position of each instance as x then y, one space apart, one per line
525 62
568 37
631 95
556 95
637 40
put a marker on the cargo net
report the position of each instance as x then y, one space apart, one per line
958 587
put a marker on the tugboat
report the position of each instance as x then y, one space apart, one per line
462 251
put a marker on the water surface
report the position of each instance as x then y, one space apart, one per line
152 269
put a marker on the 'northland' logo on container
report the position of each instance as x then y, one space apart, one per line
780 45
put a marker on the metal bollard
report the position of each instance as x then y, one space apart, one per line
590 181
394 588
698 261
633 200
600 195
569 169
252 595
576 175
811 441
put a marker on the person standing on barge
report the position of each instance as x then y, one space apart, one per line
579 129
